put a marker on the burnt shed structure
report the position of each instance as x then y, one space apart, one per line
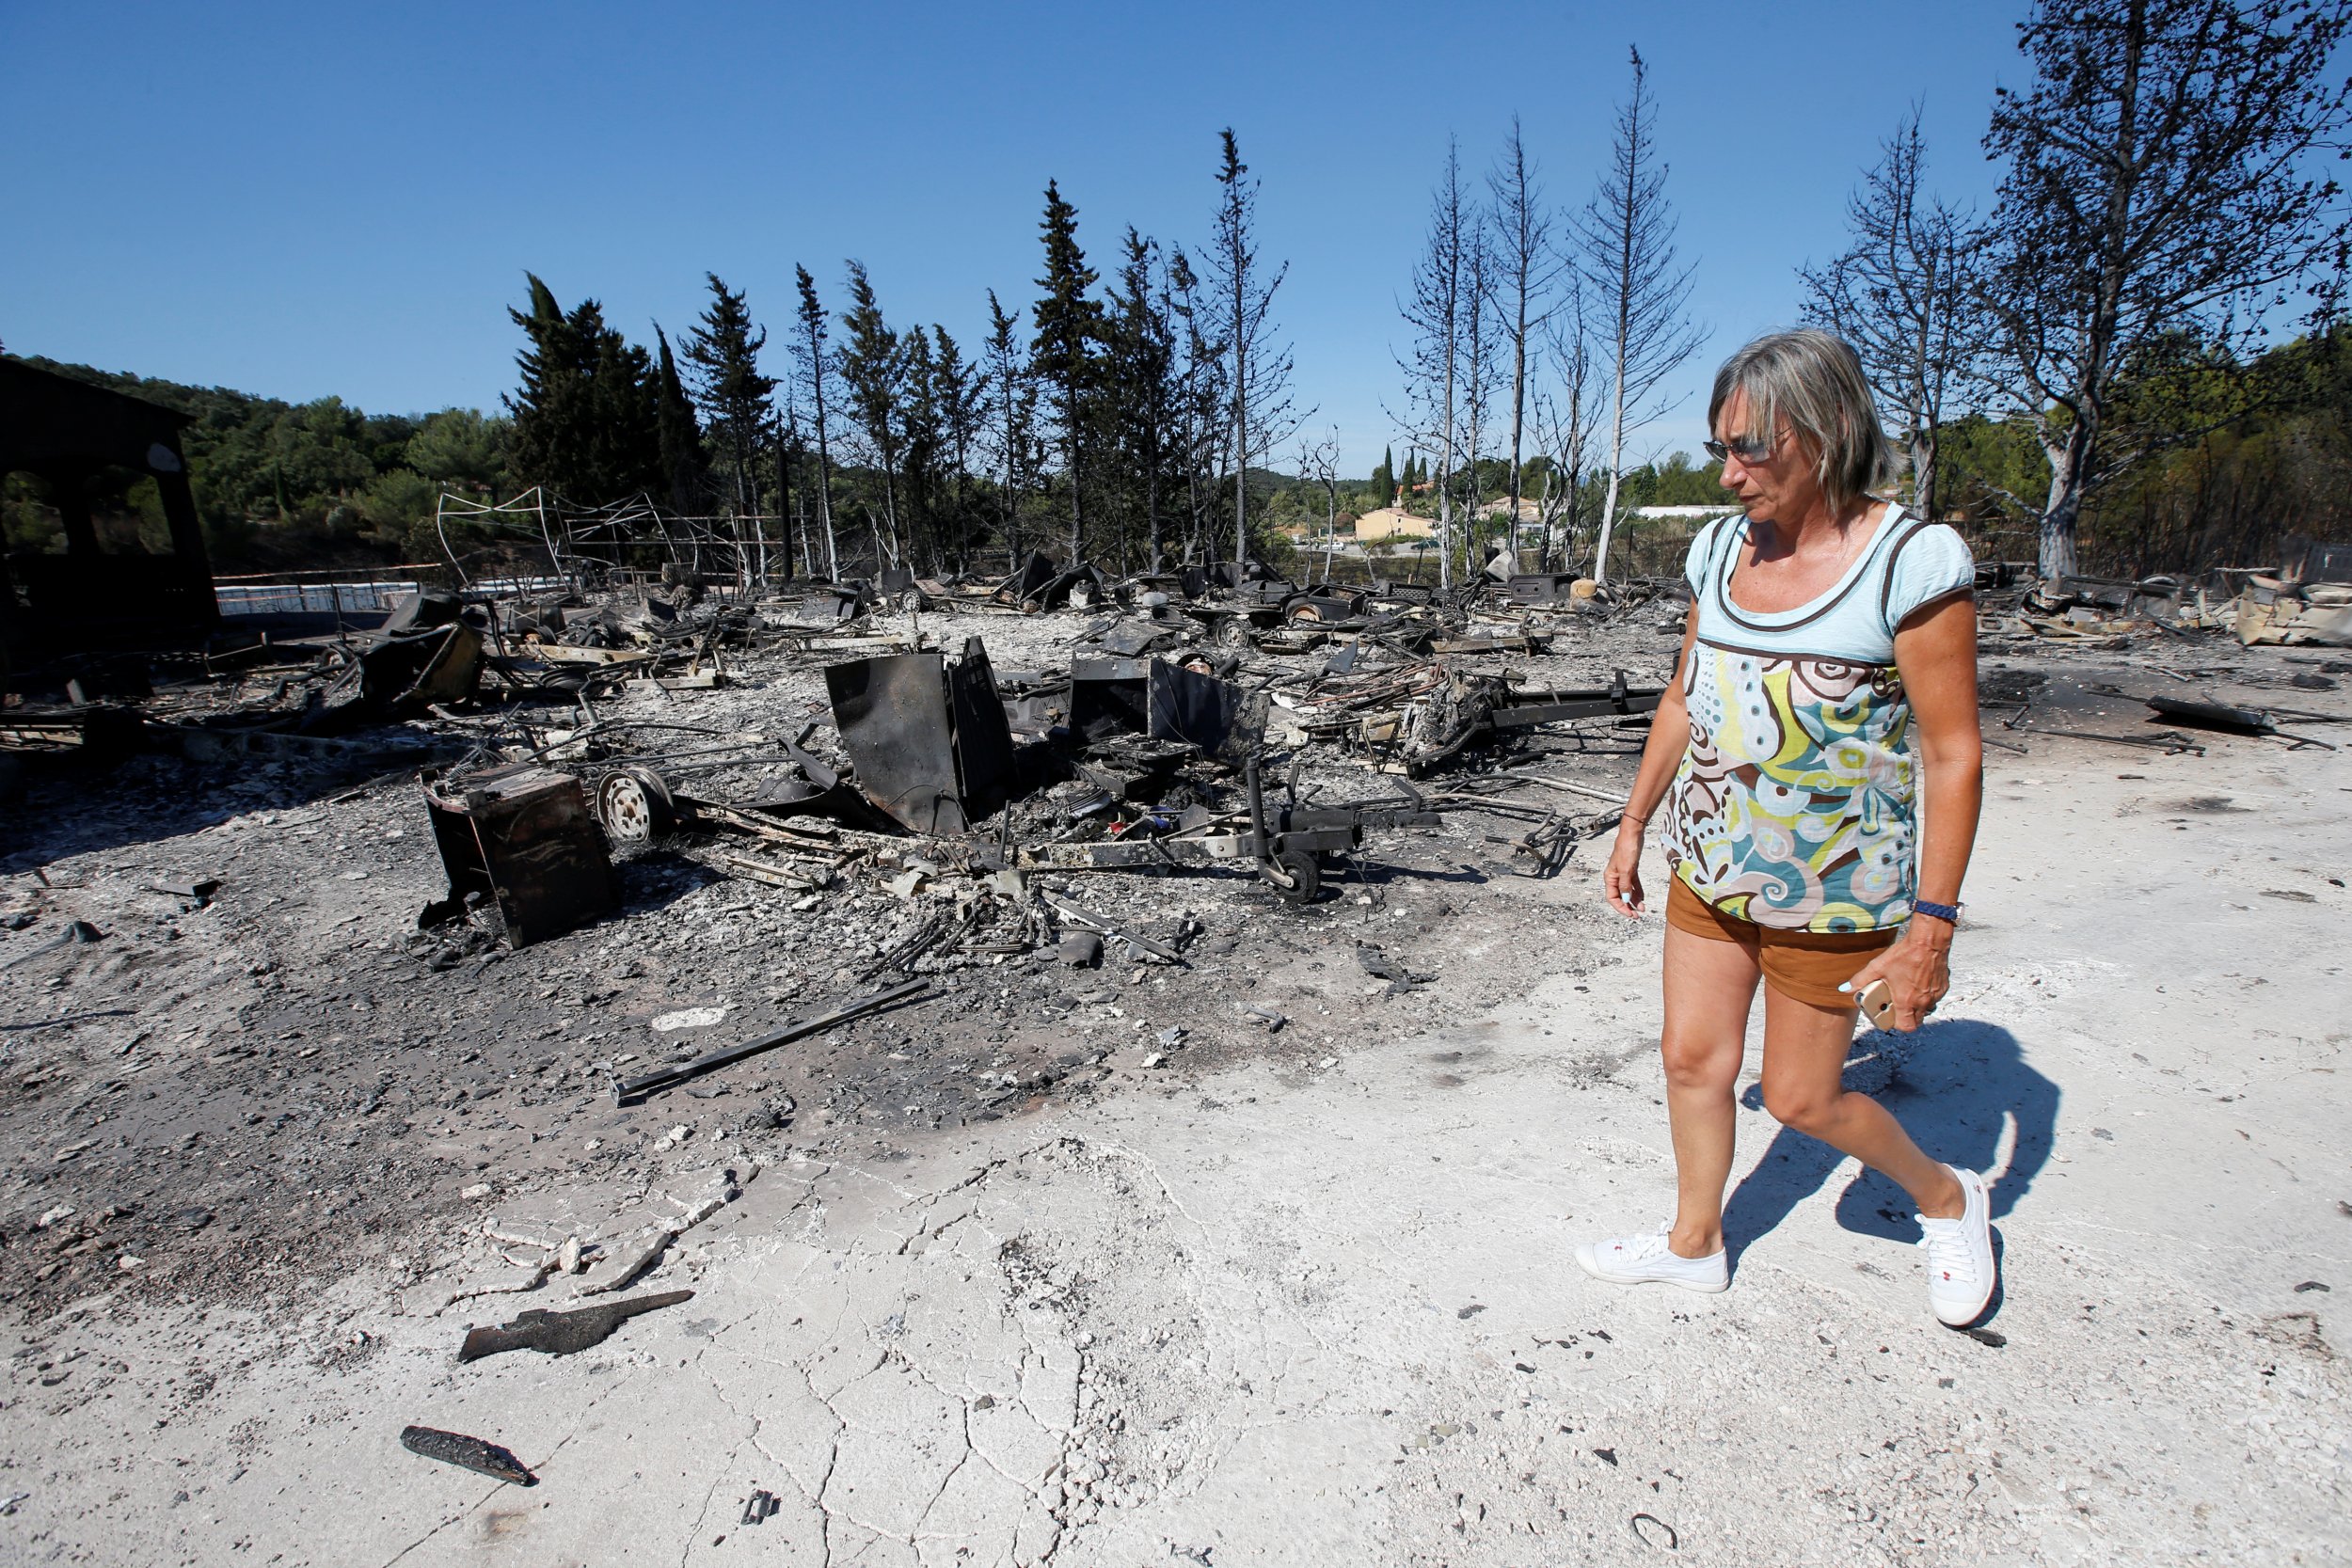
64 432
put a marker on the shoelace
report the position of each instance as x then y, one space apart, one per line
1946 1243
1642 1248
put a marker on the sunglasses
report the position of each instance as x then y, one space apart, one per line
1749 452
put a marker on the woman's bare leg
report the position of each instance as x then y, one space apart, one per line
1805 1064
1709 986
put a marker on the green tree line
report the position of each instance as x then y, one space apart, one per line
1126 415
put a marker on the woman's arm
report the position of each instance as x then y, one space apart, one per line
1669 736
1935 652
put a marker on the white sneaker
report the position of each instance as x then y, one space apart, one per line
1642 1259
1959 1255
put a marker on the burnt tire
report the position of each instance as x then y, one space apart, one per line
1304 873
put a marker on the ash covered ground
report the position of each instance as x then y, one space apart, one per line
235 1099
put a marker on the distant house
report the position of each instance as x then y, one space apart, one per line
1695 514
1530 509
1385 523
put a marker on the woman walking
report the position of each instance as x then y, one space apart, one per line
1826 627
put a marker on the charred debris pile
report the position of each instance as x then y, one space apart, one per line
2303 601
1217 721
982 756
981 753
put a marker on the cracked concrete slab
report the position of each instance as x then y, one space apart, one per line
1283 1316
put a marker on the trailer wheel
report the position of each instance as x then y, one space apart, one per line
634 805
1233 632
1304 872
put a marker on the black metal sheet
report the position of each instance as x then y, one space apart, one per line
1031 580
1561 707
2213 715
1325 608
1199 710
1539 587
1033 713
983 738
893 717
1521 716
1131 639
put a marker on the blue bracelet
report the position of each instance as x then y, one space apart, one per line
1950 912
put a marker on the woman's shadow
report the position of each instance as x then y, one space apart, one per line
1961 1088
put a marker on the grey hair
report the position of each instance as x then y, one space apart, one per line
1811 383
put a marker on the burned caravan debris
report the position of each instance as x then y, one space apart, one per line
61 430
1550 588
1618 699
927 736
1202 710
1108 697
520 850
408 672
755 903
1156 697
1158 737
1040 585
1285 845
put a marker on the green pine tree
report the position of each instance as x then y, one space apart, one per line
959 394
873 367
925 448
680 434
1066 354
587 412
723 349
1141 395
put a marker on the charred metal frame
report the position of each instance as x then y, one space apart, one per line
521 838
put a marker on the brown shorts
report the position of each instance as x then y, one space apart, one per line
1805 966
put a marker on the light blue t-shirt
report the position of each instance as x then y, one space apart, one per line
1908 562
1795 804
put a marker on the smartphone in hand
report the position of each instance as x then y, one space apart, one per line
1877 1004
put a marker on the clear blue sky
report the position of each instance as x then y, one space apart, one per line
306 200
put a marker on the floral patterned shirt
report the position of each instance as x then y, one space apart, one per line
1795 804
